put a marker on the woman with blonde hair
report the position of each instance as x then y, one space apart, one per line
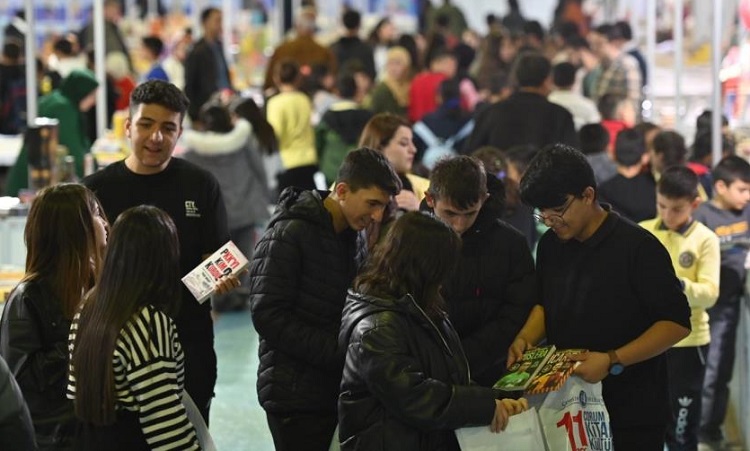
392 136
391 95
65 236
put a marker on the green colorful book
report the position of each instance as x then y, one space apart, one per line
539 370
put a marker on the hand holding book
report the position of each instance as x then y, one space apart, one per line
217 274
592 366
539 370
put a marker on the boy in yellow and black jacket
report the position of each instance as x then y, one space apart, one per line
694 250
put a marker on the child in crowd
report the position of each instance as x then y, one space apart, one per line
594 140
694 250
726 214
289 113
631 192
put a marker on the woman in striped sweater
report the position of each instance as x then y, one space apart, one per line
126 365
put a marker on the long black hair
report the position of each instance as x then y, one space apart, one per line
247 109
141 267
418 254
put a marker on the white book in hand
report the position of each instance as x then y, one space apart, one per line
202 280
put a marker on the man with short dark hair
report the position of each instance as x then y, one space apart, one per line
493 287
631 193
152 48
114 41
350 48
206 69
526 117
192 198
594 141
608 286
300 273
583 109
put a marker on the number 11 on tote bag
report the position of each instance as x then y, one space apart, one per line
574 418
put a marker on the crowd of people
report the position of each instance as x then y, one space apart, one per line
442 203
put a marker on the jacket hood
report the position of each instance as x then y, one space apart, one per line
347 119
296 203
359 306
211 143
78 84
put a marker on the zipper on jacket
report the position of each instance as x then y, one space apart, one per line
445 343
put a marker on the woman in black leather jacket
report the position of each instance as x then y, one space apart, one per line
65 235
406 383
16 430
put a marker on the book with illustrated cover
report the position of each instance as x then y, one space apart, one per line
539 370
202 280
521 373
554 373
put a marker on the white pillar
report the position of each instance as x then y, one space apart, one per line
716 110
30 55
679 54
650 111
227 25
101 73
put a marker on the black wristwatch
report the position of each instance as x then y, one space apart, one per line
615 367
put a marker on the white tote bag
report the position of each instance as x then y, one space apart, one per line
575 417
522 433
195 417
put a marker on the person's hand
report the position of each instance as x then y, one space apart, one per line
594 366
500 420
504 409
516 350
515 406
407 200
228 283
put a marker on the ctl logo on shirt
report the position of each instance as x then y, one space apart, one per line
191 210
687 259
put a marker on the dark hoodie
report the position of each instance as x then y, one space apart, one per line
60 104
338 134
300 272
406 382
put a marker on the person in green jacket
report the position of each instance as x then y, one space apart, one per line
75 95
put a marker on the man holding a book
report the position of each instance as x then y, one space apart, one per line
608 286
192 198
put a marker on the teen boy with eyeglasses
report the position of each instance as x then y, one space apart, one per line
608 286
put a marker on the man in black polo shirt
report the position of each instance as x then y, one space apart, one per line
608 286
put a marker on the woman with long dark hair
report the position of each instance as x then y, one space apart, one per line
65 234
126 367
406 383
263 135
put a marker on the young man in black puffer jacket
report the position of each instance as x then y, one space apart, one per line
493 288
301 270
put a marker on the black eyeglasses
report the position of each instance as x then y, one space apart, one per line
555 219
